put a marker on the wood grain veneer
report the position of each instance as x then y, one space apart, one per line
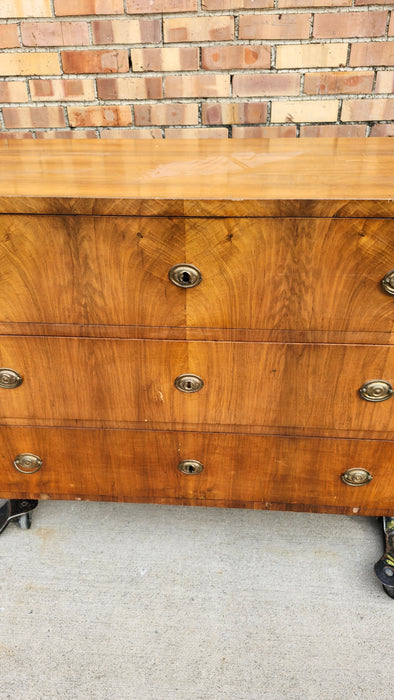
292 237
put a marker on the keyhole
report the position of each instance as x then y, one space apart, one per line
189 385
185 277
191 469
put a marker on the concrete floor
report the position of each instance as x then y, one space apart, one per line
103 601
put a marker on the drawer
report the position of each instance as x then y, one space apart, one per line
237 469
248 387
295 274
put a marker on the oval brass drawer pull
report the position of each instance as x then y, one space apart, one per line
388 283
27 463
9 378
189 383
377 390
356 477
185 276
190 466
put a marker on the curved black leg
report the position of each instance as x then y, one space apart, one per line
384 568
16 509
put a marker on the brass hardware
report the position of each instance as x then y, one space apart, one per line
190 466
185 275
356 477
377 390
189 383
9 379
388 283
27 463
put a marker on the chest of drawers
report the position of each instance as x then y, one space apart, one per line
231 380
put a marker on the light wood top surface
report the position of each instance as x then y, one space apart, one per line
249 170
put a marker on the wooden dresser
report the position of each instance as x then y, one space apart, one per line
198 322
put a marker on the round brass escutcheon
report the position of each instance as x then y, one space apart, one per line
9 379
377 390
185 276
189 383
27 463
388 283
356 477
190 466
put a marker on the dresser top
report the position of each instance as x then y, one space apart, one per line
341 177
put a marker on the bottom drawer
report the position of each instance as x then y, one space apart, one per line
238 470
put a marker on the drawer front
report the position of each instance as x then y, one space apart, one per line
295 274
90 270
143 466
247 386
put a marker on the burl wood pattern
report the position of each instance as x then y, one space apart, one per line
292 237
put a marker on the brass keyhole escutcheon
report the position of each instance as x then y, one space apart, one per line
27 463
189 383
356 477
185 276
190 466
9 378
388 283
377 390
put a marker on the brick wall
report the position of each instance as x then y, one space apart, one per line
187 68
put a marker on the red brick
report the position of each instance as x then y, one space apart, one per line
131 134
384 82
99 115
379 53
264 132
4 135
391 25
55 33
368 110
197 86
150 7
234 113
126 31
280 26
338 82
349 24
13 91
233 57
58 90
382 130
69 134
333 130
9 38
236 4
168 59
95 61
266 84
25 8
201 133
149 88
171 114
33 117
66 8
183 29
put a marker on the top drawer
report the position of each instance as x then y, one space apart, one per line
295 274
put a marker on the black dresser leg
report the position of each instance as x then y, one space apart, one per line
384 568
17 509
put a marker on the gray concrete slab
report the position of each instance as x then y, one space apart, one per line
102 601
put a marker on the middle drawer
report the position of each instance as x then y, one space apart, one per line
291 388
